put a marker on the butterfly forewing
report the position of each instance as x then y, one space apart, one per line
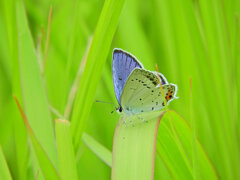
142 93
123 64
161 76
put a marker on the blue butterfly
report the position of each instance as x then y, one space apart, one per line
138 90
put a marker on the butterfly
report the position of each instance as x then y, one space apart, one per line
138 90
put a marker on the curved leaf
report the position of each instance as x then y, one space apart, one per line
134 147
174 146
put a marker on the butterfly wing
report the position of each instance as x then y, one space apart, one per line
162 77
123 63
142 92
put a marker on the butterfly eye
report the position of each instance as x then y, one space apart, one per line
120 109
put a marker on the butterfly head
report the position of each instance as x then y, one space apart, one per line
119 109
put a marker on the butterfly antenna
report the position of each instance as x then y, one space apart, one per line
106 102
115 108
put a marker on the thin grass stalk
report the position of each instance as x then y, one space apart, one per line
96 59
195 156
47 167
20 134
4 170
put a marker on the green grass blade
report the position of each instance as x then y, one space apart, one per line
48 169
216 43
4 171
174 145
102 152
161 171
237 57
195 158
131 33
72 42
95 61
197 39
134 147
22 151
34 98
66 158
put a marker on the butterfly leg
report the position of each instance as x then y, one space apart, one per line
131 123
127 122
122 117
143 120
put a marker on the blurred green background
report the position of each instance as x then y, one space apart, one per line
188 39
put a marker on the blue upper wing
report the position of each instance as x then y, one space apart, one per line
123 63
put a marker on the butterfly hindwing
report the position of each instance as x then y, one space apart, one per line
142 92
123 64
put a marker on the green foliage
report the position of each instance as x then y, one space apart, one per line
101 151
4 171
95 61
34 98
66 158
61 73
48 169
134 147
176 134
